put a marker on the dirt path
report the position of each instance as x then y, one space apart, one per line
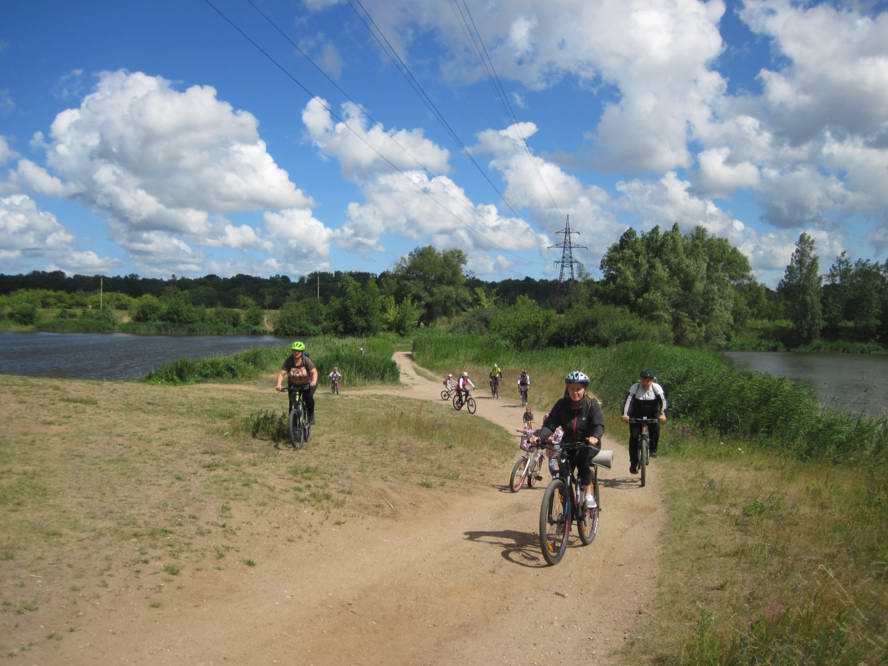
454 580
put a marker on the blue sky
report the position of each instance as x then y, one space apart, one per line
153 138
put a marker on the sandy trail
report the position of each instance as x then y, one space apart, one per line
454 579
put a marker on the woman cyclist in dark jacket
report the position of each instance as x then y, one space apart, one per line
580 417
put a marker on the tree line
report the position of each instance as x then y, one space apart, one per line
692 289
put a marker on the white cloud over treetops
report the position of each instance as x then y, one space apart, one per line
165 166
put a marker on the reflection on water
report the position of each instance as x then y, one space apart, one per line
855 382
115 356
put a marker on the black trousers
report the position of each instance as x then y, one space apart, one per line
581 460
635 434
308 393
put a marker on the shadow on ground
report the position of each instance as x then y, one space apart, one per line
519 548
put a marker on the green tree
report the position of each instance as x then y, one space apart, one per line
433 279
358 311
800 290
307 317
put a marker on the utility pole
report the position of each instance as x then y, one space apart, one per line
318 275
101 291
567 262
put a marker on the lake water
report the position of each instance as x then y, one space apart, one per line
854 382
115 356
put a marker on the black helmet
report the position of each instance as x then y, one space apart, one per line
646 374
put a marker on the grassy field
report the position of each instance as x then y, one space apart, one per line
776 551
110 487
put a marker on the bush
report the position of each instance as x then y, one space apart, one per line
374 364
524 325
605 325
24 314
300 318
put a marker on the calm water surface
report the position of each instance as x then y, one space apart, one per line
115 356
855 382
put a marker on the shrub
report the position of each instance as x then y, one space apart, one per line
24 314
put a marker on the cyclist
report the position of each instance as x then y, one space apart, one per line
448 382
523 382
335 376
645 399
301 373
464 385
579 416
495 376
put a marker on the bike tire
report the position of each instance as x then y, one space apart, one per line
445 395
642 461
294 427
471 406
555 521
532 470
588 525
519 473
457 402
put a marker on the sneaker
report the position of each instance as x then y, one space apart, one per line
653 454
633 469
590 502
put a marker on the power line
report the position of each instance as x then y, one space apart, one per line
478 43
333 113
339 88
380 38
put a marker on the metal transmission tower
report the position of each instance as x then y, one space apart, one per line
567 262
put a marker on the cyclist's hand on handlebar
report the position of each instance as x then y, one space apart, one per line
662 418
278 388
593 441
625 419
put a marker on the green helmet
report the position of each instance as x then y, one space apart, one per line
298 346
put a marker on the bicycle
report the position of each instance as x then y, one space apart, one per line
468 401
563 503
298 426
494 387
334 386
447 393
522 391
644 446
528 465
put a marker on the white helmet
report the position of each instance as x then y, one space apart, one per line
465 374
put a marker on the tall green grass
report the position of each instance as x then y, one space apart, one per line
703 389
374 364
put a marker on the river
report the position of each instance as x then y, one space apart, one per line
114 356
857 383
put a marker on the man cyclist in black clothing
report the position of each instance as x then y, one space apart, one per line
645 399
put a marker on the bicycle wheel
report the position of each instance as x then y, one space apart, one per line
587 525
470 405
555 519
445 395
532 470
457 402
519 473
643 460
295 428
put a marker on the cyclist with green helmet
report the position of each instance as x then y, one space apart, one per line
580 418
302 374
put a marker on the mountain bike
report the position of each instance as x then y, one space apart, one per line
529 463
522 391
447 393
494 387
459 400
644 446
298 426
334 386
563 504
